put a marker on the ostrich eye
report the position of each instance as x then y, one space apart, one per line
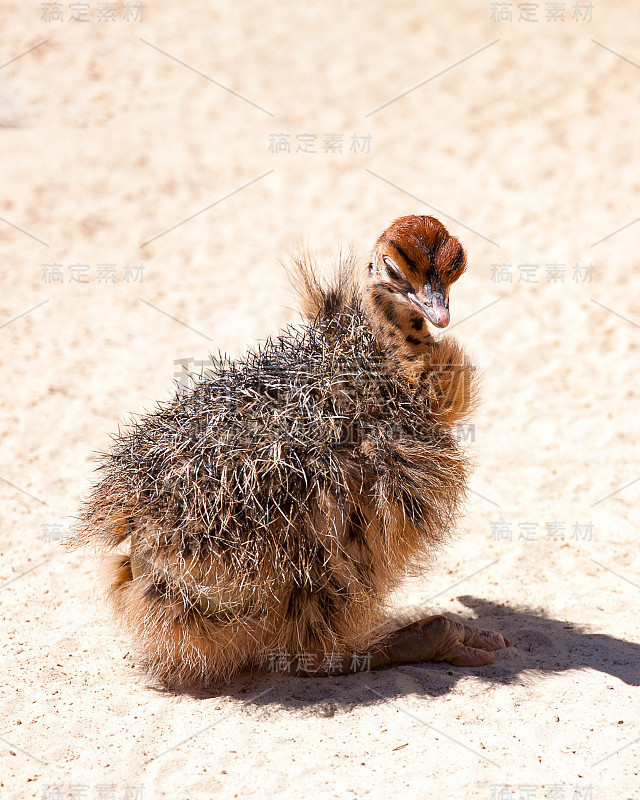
393 270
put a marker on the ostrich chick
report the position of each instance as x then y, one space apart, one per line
265 516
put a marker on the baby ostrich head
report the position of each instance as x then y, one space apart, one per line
413 264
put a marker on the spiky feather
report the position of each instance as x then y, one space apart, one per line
273 507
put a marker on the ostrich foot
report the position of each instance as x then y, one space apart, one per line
439 638
435 638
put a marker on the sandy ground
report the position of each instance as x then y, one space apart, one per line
145 204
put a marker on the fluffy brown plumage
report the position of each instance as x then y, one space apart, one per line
271 509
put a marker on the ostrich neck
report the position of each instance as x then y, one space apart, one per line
401 332
438 370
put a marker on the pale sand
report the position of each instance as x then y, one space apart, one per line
531 143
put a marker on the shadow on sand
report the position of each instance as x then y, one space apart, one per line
540 646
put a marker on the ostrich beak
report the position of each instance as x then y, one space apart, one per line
434 306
